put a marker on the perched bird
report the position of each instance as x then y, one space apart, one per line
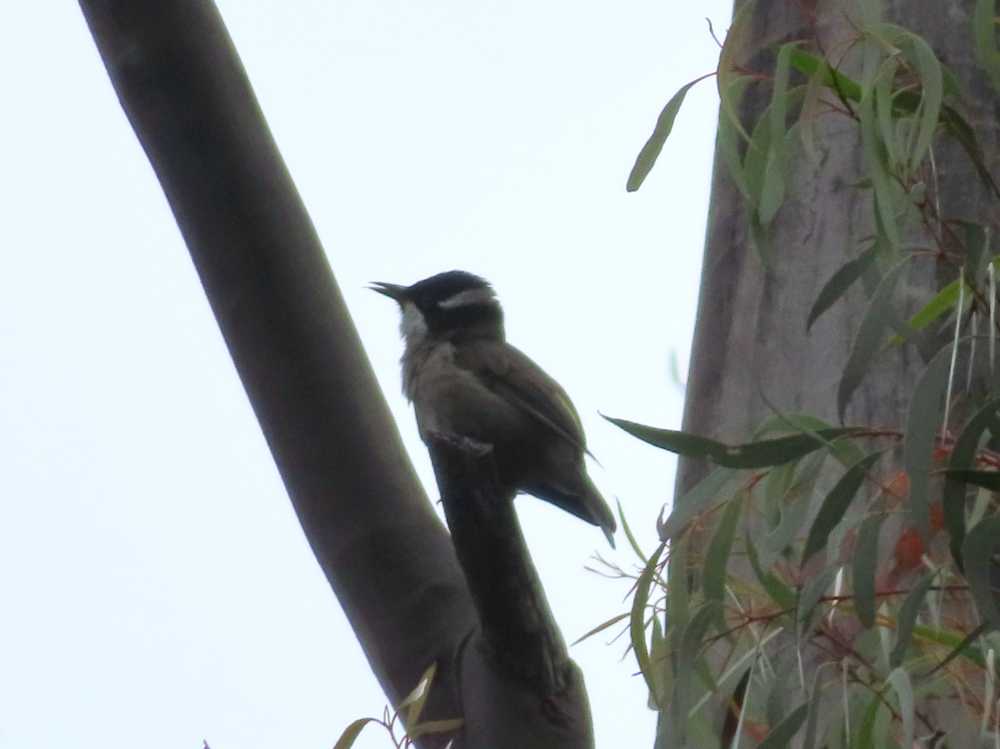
466 381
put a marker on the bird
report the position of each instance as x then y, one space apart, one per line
466 382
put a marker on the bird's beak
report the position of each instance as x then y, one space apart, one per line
391 290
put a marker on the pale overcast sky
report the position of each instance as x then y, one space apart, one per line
157 588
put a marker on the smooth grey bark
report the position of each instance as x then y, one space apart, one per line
750 340
389 560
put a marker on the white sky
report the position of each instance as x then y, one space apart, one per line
157 589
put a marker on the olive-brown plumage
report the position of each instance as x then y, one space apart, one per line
466 381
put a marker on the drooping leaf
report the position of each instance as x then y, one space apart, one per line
986 479
661 131
962 131
414 702
884 109
941 303
601 627
445 725
962 457
922 423
350 734
907 618
779 592
698 499
773 187
732 49
928 68
683 691
863 567
815 703
810 594
984 28
870 335
678 594
782 734
637 624
839 283
982 570
900 681
717 557
729 137
761 454
964 646
810 64
835 505
629 535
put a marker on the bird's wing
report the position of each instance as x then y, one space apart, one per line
513 376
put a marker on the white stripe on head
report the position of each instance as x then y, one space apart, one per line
482 295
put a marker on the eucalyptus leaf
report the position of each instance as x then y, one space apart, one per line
982 570
350 734
835 505
907 618
870 336
637 624
839 283
717 557
900 681
864 564
984 27
963 455
783 733
661 131
779 592
698 499
760 454
922 423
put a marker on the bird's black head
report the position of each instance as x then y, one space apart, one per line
449 305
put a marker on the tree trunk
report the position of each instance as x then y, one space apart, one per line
750 342
388 558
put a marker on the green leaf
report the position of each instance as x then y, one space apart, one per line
963 454
962 131
729 137
925 63
733 47
637 626
810 64
815 703
783 733
907 618
942 302
900 681
717 558
835 505
350 734
761 454
794 508
661 131
986 479
870 335
773 188
981 570
690 650
779 592
414 702
629 535
863 566
839 283
810 595
883 109
964 646
922 423
445 725
601 627
985 34
694 502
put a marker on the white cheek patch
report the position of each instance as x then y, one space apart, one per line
469 297
413 326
